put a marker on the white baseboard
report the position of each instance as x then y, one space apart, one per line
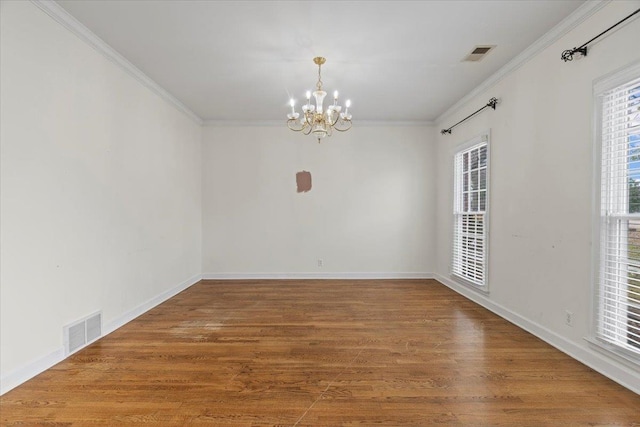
598 362
148 305
29 370
16 377
325 276
624 376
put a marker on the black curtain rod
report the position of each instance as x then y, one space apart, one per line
567 55
492 103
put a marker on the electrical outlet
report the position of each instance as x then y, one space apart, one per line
320 263
568 318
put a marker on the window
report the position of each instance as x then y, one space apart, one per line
470 209
617 308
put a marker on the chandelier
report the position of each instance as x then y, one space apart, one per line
315 120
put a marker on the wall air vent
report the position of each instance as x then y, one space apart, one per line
82 332
479 52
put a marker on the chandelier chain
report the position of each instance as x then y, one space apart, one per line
319 84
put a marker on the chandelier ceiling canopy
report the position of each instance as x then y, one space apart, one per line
315 119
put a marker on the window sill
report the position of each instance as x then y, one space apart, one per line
619 355
484 290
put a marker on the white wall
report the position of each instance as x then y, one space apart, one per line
106 204
100 189
370 211
540 260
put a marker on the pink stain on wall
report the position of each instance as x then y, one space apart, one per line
303 181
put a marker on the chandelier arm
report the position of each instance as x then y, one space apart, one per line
345 129
308 131
290 122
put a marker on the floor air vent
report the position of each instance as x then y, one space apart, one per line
82 332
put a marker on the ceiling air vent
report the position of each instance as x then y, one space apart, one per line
479 52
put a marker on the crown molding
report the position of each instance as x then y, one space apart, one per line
245 123
60 15
283 122
582 13
399 123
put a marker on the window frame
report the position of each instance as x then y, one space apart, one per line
601 86
481 139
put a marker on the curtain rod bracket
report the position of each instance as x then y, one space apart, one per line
567 55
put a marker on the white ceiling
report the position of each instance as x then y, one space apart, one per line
242 60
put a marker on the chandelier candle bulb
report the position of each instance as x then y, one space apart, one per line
315 120
292 115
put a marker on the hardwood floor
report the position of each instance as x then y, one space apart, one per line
320 353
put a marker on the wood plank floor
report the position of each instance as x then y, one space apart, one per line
320 353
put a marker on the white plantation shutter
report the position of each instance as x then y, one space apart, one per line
469 261
618 287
